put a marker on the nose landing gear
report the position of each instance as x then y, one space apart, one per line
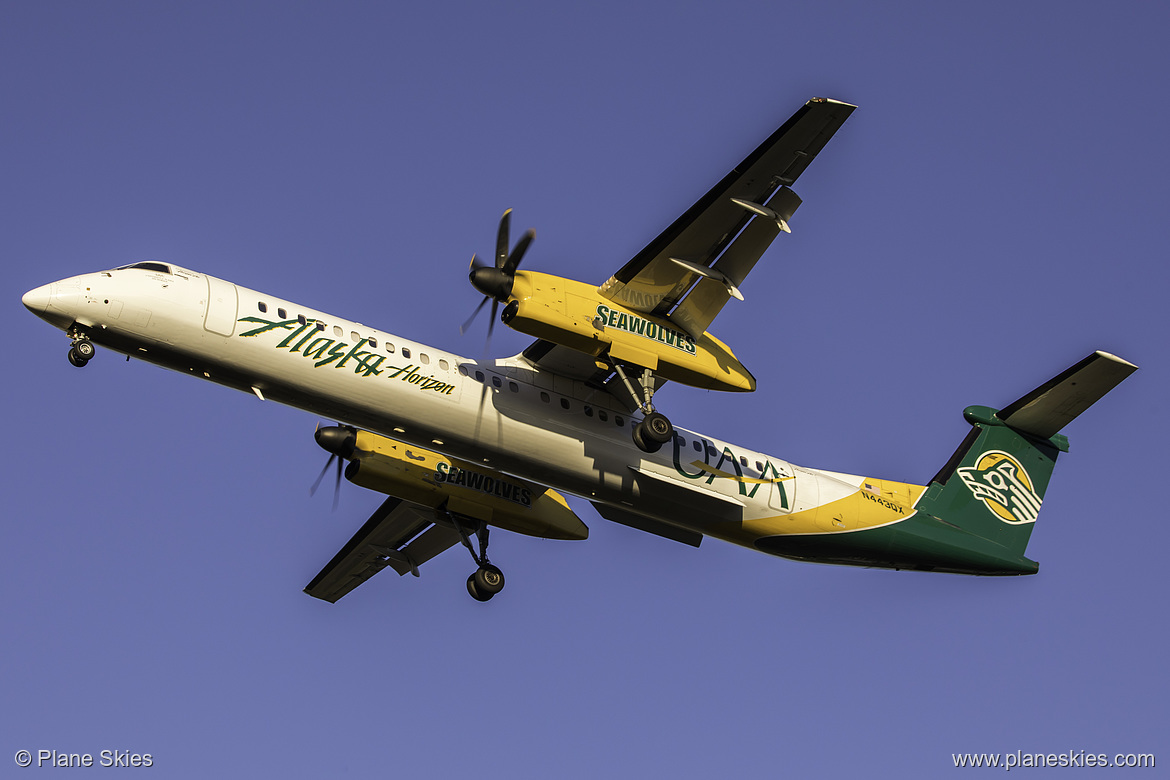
81 351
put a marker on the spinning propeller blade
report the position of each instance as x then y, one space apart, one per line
338 441
495 281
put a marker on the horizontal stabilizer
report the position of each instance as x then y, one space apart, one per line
1048 408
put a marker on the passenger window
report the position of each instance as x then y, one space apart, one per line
602 415
389 347
443 364
617 418
373 342
515 388
301 319
759 467
424 359
564 403
478 376
321 326
463 370
544 397
496 381
588 411
405 352
353 334
262 306
698 446
681 441
337 331
281 313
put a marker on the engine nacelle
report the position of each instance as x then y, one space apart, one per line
575 315
434 480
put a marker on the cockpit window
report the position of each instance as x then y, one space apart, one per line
147 266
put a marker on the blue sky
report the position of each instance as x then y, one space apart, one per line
991 213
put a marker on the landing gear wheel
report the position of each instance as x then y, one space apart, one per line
655 427
644 444
488 580
474 591
76 359
84 349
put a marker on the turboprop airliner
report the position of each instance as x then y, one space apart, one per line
461 445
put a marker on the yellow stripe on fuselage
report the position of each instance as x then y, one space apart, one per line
876 503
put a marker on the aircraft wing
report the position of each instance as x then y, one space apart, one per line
718 240
400 535
689 272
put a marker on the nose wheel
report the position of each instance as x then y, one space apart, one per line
81 352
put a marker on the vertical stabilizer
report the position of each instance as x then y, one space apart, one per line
994 484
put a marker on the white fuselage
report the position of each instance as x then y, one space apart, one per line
504 414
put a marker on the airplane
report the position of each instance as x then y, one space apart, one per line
462 445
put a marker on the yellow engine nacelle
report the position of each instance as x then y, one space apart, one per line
575 315
433 480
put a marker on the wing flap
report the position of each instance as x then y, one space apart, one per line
649 525
652 283
400 535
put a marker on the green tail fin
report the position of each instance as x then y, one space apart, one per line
994 484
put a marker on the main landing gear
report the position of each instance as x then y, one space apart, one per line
81 351
487 580
655 429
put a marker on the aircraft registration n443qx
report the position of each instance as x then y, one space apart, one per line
462 445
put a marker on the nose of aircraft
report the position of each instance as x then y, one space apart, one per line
37 300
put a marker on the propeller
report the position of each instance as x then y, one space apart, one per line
495 281
338 441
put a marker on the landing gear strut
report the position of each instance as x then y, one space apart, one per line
487 580
81 351
655 429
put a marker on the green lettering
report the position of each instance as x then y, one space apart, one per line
288 339
317 348
678 466
267 325
356 347
368 365
300 343
335 352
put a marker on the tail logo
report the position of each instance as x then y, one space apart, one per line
1003 485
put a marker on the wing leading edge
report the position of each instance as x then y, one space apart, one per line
709 242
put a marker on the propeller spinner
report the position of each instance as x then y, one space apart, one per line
338 441
495 281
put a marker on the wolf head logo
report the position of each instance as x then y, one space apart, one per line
1003 485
